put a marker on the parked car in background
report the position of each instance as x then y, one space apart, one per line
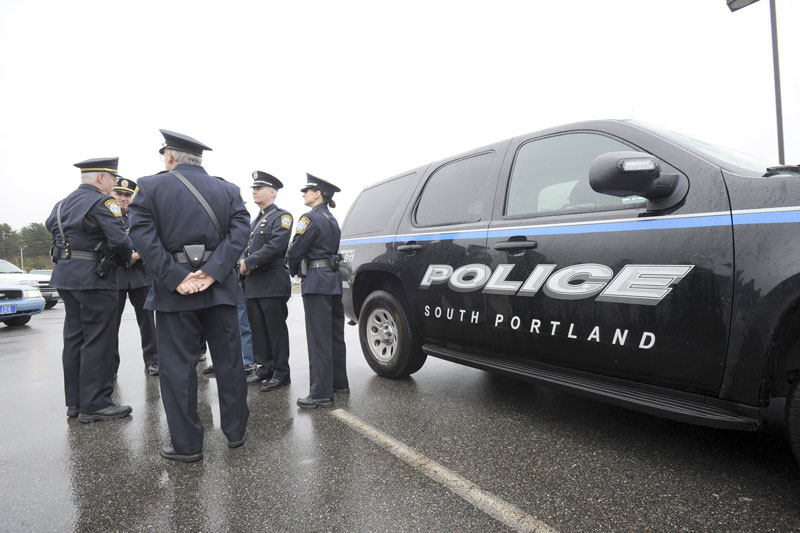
18 303
12 274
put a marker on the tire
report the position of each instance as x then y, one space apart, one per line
50 304
391 344
17 321
793 417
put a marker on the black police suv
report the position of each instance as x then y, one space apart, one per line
629 264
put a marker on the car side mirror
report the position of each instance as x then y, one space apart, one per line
628 173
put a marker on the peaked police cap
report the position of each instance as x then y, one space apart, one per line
263 179
182 143
100 164
319 184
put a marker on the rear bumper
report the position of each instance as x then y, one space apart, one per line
49 295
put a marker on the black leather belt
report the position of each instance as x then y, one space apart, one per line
181 258
319 263
79 254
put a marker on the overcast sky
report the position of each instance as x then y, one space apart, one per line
355 92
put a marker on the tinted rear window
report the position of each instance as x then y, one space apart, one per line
376 206
456 192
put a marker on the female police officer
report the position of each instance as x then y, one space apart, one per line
313 255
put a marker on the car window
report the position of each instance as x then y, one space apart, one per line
375 206
455 193
552 174
8 268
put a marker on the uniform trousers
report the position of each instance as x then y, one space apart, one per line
270 335
326 348
88 356
146 321
246 334
178 334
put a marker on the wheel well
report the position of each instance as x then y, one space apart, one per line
368 282
784 358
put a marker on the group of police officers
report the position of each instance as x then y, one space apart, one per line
180 244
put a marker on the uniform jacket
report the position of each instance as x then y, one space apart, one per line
265 255
165 216
134 276
88 216
316 237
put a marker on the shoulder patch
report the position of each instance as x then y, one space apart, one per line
302 224
286 221
113 206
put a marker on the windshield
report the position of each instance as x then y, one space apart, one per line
720 154
8 268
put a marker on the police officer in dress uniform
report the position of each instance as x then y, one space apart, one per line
314 256
134 283
267 285
87 240
190 229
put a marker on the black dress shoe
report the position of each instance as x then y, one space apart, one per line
344 390
273 384
152 370
312 403
168 452
237 443
249 369
254 379
111 412
73 411
209 369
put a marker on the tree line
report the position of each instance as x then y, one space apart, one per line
30 245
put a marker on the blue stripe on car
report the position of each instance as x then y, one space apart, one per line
648 224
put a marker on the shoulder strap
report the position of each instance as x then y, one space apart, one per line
330 219
203 202
60 226
263 217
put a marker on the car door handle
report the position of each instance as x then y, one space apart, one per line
516 245
409 247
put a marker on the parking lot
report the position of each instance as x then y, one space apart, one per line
450 449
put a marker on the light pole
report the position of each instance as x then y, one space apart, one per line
739 4
21 257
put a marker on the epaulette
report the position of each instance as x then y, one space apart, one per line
222 179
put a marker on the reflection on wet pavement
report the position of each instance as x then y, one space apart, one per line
574 464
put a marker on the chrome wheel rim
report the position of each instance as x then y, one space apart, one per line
382 335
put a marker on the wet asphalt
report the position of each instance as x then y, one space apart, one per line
568 462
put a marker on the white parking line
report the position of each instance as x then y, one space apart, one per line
499 509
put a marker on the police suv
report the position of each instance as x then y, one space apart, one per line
609 258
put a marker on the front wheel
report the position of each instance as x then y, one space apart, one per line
793 417
17 321
389 340
51 304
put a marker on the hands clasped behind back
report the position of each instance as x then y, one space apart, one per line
197 281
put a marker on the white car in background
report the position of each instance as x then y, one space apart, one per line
10 273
